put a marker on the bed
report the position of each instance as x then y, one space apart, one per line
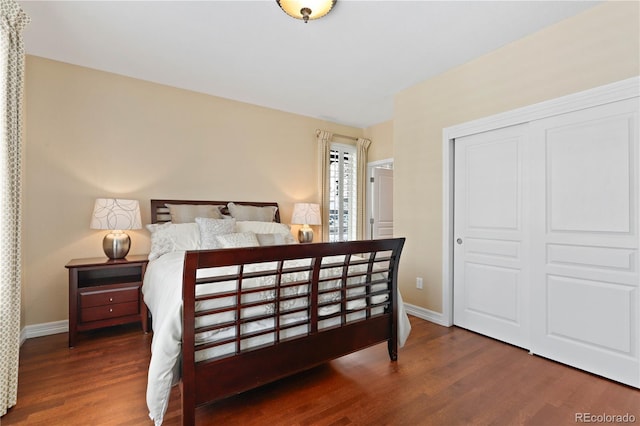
236 303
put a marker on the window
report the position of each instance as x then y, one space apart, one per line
342 192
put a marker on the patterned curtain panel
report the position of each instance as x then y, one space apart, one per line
363 149
12 22
324 146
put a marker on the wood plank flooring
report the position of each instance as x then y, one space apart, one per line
444 376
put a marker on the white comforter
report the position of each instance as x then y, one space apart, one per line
162 289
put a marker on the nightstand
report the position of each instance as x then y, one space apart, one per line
105 292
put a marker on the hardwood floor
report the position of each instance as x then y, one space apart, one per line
444 376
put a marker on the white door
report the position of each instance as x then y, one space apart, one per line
382 203
547 218
491 232
585 282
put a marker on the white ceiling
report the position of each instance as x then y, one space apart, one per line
344 68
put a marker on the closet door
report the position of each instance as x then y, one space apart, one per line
584 252
491 232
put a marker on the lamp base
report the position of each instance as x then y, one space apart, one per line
116 245
305 234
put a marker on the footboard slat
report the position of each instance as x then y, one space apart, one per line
230 376
287 309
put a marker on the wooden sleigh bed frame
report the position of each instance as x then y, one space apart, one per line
364 261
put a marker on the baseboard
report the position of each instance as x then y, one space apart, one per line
44 329
55 327
426 314
23 335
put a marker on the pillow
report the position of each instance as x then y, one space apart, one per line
209 228
263 214
184 213
275 239
186 236
238 239
262 227
168 237
161 242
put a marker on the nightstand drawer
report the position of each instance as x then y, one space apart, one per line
109 297
109 311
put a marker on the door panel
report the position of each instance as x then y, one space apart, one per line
494 292
584 299
493 183
382 203
490 255
588 175
584 287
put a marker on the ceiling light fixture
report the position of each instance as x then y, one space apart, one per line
306 9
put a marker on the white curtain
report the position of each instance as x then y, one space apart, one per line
12 22
324 147
363 148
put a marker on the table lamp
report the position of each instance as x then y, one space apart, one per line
306 214
116 215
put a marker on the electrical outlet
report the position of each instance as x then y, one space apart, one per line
419 283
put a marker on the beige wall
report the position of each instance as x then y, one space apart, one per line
381 136
94 134
599 46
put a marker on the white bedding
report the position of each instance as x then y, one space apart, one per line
162 289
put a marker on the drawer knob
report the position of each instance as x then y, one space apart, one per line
110 309
111 299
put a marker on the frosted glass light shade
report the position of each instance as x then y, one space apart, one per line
306 9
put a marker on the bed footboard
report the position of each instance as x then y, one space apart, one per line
255 315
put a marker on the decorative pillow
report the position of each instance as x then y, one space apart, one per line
275 239
263 214
184 213
161 242
168 237
210 228
238 239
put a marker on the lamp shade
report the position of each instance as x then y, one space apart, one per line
306 9
306 214
116 214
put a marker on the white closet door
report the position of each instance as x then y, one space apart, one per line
585 281
491 229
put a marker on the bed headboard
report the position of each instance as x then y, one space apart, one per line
160 213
